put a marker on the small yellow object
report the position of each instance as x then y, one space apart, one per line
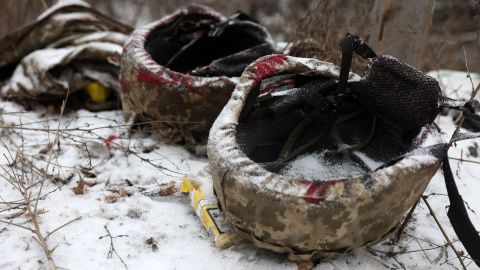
187 185
210 216
97 92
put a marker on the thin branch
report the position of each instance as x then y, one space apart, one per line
462 118
112 249
423 250
465 160
17 225
444 233
56 140
62 226
398 234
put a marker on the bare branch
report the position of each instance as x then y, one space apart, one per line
444 233
112 249
62 226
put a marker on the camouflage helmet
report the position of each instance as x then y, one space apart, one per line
177 73
306 217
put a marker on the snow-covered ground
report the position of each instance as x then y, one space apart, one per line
163 232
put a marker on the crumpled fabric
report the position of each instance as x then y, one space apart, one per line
69 46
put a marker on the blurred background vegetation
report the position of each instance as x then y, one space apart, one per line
454 27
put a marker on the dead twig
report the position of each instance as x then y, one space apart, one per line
398 234
444 233
62 226
112 249
28 179
465 160
423 250
55 142
472 97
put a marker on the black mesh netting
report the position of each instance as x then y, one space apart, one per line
399 94
373 124
202 45
319 129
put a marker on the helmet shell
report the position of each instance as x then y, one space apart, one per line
305 218
180 107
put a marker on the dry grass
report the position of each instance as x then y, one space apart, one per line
318 34
320 23
33 182
29 181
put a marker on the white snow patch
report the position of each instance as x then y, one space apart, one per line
371 164
316 167
170 221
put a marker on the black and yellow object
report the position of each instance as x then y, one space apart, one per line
210 215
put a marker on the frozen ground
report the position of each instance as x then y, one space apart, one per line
162 232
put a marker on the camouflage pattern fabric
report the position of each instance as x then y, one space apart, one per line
181 104
311 219
69 46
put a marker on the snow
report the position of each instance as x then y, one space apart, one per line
371 164
181 241
316 167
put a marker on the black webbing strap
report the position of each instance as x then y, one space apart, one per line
471 106
219 27
457 213
350 44
465 136
468 109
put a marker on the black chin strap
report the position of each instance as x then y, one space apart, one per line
458 216
350 44
218 28
457 213
471 106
